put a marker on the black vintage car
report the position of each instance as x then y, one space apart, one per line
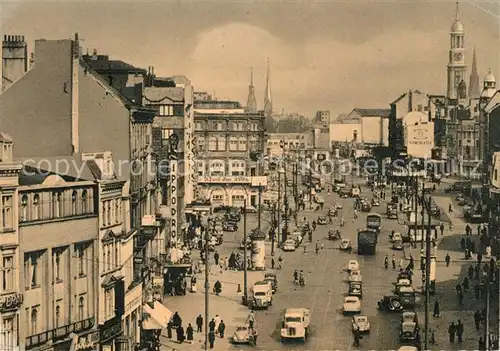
390 303
355 289
230 227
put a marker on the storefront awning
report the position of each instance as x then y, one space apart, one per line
159 316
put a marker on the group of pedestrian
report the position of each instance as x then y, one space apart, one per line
181 334
456 330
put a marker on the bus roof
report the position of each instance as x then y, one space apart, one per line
374 215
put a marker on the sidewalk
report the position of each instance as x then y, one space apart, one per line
228 306
446 280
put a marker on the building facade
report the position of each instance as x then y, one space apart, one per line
292 143
11 292
230 144
374 125
457 67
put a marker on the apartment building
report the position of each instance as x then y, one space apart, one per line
231 145
11 296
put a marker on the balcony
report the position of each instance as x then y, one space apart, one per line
59 333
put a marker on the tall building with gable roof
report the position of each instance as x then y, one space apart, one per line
251 101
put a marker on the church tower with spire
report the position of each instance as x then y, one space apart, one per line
268 100
457 68
474 91
251 101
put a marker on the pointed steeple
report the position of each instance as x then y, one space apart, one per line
268 100
251 101
457 12
474 90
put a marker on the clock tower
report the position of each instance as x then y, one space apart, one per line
457 69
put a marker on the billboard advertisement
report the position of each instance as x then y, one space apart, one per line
420 139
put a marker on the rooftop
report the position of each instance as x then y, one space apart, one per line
373 112
102 63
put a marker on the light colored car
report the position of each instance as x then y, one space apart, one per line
360 323
353 265
345 245
339 206
355 276
408 348
241 335
289 245
295 324
352 304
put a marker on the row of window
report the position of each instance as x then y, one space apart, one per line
35 207
227 126
60 257
35 321
110 255
141 138
235 144
171 110
111 212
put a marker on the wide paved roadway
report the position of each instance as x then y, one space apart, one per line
326 287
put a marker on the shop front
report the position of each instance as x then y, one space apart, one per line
155 318
88 341
109 332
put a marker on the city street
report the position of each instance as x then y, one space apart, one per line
326 286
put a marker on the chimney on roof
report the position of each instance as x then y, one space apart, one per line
94 55
15 59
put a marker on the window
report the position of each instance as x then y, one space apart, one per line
73 203
60 204
166 110
8 273
108 253
81 308
84 201
7 213
109 308
201 143
355 135
7 341
218 126
221 143
104 261
80 253
56 270
233 144
34 322
242 145
57 316
477 143
32 269
197 126
254 144
496 174
118 215
212 144
117 257
36 207
23 215
108 212
200 165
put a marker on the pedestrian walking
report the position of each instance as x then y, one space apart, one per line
465 284
450 208
452 329
393 261
216 258
441 227
436 309
272 262
461 298
211 326
447 259
221 329
199 323
460 331
211 339
462 243
217 320
477 319
189 333
170 325
458 288
251 319
180 334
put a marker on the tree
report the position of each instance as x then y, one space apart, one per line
293 123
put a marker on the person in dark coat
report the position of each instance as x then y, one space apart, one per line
465 284
447 259
211 338
477 319
462 243
216 258
180 334
170 325
460 330
436 309
211 326
441 227
177 320
222 329
189 333
199 323
452 329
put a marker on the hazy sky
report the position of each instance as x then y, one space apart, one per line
333 55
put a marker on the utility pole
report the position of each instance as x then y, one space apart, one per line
279 203
310 184
427 273
273 229
207 283
245 268
422 213
487 322
287 212
260 207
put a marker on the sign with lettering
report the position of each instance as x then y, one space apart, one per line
9 302
223 179
173 202
108 332
420 139
88 341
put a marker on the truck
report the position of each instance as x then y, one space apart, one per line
374 221
262 292
367 242
295 324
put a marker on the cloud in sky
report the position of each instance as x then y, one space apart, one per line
324 55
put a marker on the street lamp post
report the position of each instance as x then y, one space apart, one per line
207 282
427 270
260 208
310 183
279 205
245 268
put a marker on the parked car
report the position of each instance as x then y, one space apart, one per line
251 209
375 202
352 304
242 335
360 324
365 206
271 277
397 244
390 303
230 227
355 276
